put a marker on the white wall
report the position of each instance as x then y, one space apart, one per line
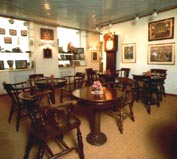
47 66
138 33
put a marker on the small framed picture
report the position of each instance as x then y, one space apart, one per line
94 56
47 34
2 31
161 54
7 40
23 32
12 32
129 53
1 65
47 53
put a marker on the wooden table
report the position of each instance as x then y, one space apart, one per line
97 103
51 83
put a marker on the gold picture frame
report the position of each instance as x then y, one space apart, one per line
23 32
12 32
129 53
47 34
162 29
94 56
2 31
7 40
161 54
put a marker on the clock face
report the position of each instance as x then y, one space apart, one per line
109 44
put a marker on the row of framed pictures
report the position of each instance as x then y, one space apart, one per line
161 54
13 32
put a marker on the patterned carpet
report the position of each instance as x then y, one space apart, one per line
151 136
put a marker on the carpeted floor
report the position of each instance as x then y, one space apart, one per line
151 136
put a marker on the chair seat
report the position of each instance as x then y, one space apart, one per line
54 123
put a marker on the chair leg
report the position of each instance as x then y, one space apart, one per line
18 118
11 112
61 96
120 121
131 112
29 146
80 144
40 151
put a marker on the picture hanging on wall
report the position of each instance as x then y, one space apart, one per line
2 31
1 65
47 34
94 56
161 54
129 53
47 53
12 32
23 32
7 40
162 29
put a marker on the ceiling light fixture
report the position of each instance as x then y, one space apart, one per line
154 14
137 18
110 24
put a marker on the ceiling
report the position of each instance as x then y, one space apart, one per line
82 14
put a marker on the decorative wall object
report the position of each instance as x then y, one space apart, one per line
47 34
12 32
94 56
7 40
21 64
23 32
129 53
162 29
2 31
47 53
1 65
161 54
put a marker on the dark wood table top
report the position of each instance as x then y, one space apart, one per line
97 101
48 82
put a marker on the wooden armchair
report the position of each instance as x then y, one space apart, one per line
51 124
146 89
13 91
74 82
162 73
126 86
90 76
123 72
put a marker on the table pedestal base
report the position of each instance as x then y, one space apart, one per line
96 140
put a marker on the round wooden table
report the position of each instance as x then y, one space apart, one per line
97 103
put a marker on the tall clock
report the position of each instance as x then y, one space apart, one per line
110 42
110 46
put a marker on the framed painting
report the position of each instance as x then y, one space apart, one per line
12 32
23 32
1 65
47 34
161 54
2 31
7 40
129 53
162 29
94 56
